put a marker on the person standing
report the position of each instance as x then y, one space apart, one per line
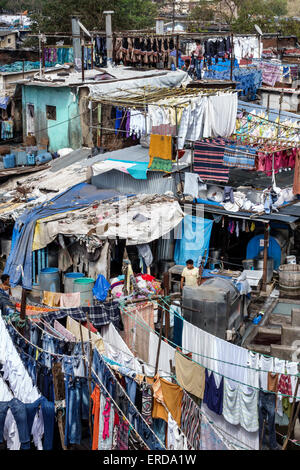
190 275
198 56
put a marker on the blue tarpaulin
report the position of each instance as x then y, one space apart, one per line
255 246
193 239
76 197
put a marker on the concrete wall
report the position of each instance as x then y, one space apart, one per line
8 41
65 134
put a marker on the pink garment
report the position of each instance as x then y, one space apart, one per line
106 414
261 161
292 158
285 159
61 329
278 160
71 300
268 165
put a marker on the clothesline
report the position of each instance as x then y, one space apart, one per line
146 327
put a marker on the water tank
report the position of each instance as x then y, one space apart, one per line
49 280
214 306
69 279
85 287
43 158
21 158
9 161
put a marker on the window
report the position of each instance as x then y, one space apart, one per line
9 41
51 112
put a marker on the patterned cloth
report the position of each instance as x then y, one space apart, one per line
208 160
270 73
285 385
100 315
159 164
146 403
136 335
239 156
122 436
191 421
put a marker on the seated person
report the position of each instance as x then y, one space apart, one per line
5 285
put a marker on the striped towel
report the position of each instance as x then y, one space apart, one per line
208 160
239 156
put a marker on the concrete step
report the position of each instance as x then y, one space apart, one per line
289 335
282 352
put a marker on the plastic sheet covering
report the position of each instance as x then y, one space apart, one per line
193 240
76 197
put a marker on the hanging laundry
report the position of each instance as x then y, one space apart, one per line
52 299
190 376
208 160
160 153
70 300
165 392
213 396
190 421
240 406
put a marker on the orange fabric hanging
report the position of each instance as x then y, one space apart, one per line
161 147
168 393
296 186
96 412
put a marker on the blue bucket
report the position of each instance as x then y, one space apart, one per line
49 280
9 161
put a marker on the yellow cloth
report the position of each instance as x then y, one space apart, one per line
74 327
52 299
161 147
190 376
171 394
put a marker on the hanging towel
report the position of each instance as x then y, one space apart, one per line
160 153
70 300
52 299
190 376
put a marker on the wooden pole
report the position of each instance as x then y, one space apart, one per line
167 309
82 349
23 309
90 376
231 61
160 338
82 61
177 51
265 268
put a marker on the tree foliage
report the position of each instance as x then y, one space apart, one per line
241 15
55 15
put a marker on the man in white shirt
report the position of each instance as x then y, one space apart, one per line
190 275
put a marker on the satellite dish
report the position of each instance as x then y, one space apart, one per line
258 29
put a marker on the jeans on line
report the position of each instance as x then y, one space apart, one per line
48 410
266 410
19 413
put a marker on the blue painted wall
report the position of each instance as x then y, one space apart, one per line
66 130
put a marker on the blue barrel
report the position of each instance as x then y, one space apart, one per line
43 158
21 158
30 159
85 287
49 280
69 280
9 161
